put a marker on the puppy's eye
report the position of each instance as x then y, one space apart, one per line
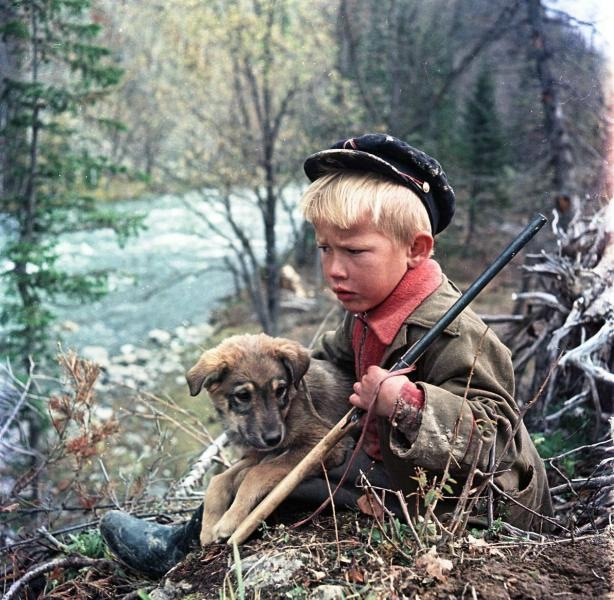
281 393
242 396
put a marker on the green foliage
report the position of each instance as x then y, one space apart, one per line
50 169
485 148
491 532
485 155
559 442
298 593
88 543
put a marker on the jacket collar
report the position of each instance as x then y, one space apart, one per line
417 284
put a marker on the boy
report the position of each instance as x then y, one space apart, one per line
376 204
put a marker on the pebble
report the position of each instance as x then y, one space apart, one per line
141 367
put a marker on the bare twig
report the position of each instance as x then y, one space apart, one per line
533 512
53 540
202 465
371 498
587 483
414 533
458 517
20 402
578 449
330 494
57 563
568 405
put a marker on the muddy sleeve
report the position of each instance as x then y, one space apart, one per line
467 399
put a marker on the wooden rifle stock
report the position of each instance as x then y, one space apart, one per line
351 420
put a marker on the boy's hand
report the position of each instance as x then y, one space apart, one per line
389 391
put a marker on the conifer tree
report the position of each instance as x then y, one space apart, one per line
485 153
49 170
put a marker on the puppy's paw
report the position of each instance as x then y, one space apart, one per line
207 536
225 527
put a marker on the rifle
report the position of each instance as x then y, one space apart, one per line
351 420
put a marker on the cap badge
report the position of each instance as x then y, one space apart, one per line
423 185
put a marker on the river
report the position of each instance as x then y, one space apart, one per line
170 275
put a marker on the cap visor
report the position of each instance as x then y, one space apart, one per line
330 161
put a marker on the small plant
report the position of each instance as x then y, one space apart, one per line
227 590
491 533
556 443
297 593
88 543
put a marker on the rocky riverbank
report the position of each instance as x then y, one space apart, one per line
142 366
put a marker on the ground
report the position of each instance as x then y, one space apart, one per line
348 556
311 563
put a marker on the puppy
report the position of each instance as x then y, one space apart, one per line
277 404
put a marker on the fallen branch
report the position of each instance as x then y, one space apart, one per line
587 483
202 465
581 356
541 298
568 405
68 561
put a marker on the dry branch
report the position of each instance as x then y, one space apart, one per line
586 483
569 320
205 461
57 563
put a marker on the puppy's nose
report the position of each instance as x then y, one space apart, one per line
272 438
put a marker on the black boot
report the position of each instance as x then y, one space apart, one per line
147 547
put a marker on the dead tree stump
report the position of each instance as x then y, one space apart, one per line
567 328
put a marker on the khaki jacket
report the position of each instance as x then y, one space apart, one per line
489 412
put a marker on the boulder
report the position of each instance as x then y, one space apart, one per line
97 354
159 337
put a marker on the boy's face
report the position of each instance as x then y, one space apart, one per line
361 265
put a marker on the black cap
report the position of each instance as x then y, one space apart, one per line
389 156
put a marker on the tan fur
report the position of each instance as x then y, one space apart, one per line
257 384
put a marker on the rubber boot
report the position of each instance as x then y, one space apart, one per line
148 547
153 549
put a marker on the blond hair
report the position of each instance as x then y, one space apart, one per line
344 198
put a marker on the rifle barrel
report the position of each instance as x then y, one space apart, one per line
418 349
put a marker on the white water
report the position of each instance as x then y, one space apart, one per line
168 276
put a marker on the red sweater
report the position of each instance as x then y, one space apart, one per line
375 330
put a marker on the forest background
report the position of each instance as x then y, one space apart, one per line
218 103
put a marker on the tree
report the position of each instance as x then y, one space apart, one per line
249 79
485 157
563 63
144 97
565 338
49 170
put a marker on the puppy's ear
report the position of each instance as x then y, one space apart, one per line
207 372
295 359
